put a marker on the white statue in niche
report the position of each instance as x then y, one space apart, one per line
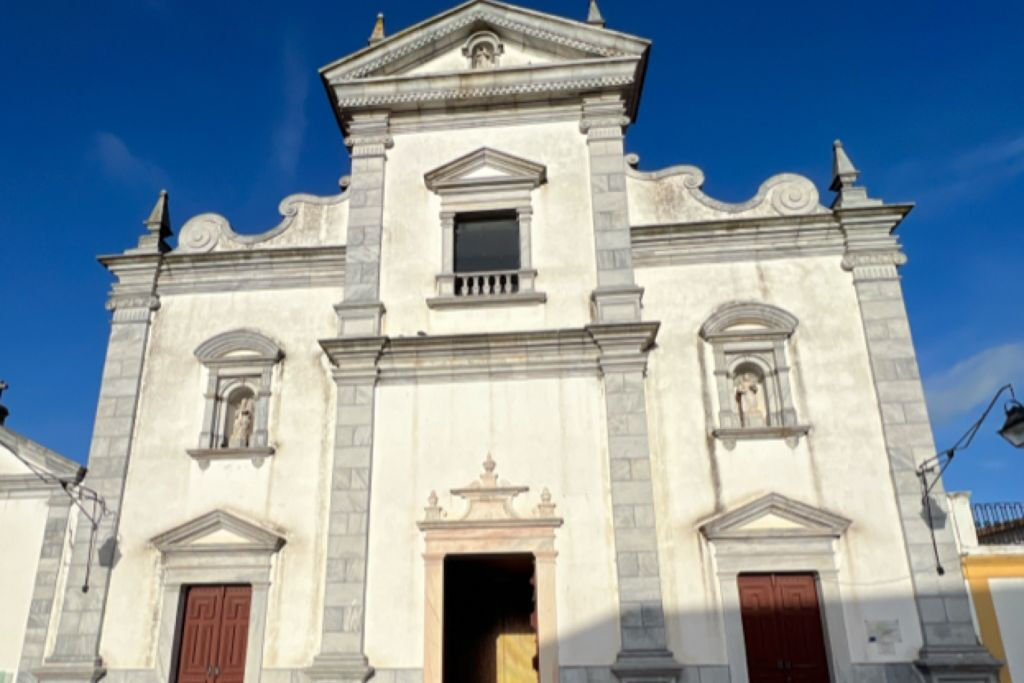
482 56
750 399
241 426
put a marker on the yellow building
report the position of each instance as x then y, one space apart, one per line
991 537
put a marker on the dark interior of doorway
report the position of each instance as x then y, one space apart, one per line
489 630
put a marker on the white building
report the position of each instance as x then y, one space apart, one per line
705 417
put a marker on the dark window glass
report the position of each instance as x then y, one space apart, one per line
486 242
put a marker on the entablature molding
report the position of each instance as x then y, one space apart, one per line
252 270
741 239
586 351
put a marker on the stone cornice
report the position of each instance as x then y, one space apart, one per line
132 298
503 355
519 83
533 354
744 239
873 251
226 271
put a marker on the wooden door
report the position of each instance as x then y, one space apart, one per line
782 629
214 634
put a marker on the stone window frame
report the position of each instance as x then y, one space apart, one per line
745 333
807 545
490 525
461 192
188 561
233 359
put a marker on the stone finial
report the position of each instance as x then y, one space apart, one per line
545 508
378 29
433 510
844 173
844 181
3 411
158 228
489 478
594 14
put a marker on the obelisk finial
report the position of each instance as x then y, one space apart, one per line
378 29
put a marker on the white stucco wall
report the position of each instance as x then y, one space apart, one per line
562 232
841 468
166 487
542 433
22 521
1008 598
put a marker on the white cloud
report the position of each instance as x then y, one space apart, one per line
968 174
971 382
290 131
120 163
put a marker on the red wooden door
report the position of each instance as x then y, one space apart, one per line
214 634
782 629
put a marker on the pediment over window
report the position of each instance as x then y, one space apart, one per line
749 318
485 167
218 531
775 516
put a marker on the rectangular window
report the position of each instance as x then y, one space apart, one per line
486 242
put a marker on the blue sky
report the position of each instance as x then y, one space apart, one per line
107 103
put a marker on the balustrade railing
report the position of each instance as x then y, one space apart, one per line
999 523
487 284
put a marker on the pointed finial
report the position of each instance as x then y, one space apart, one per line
378 29
844 173
433 511
3 411
844 181
158 228
545 508
594 14
489 478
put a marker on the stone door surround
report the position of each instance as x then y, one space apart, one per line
490 525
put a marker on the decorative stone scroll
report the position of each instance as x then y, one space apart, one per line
490 524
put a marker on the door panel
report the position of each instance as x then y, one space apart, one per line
234 634
801 621
199 633
761 630
214 634
782 628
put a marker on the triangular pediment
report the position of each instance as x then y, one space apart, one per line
218 531
485 166
775 515
20 455
529 37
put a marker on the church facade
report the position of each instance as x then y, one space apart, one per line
508 408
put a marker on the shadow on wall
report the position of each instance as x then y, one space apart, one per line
782 631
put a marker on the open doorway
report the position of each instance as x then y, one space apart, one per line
490 625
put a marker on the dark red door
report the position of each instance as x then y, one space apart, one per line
214 634
782 629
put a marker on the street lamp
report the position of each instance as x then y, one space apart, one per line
1012 431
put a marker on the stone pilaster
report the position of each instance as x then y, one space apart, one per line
645 655
617 297
76 651
44 591
951 648
341 655
361 311
354 355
